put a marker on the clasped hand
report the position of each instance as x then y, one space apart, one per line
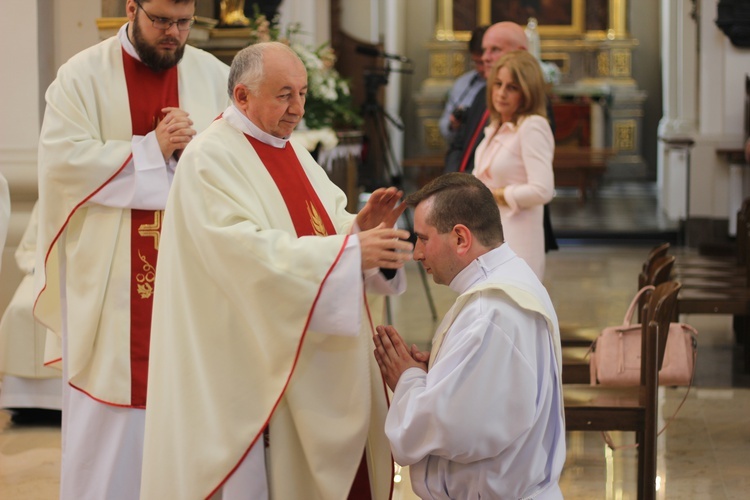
174 131
393 357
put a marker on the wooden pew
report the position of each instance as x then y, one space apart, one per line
721 288
634 409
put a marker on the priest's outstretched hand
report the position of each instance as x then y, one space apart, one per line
384 247
384 205
393 357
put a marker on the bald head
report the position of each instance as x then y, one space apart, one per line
499 39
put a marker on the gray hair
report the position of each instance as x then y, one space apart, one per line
247 66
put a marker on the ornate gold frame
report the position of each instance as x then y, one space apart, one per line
617 21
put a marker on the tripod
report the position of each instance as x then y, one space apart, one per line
381 165
375 116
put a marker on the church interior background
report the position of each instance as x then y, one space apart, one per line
615 97
659 85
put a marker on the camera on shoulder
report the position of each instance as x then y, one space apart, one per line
459 114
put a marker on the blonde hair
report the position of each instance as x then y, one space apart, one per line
525 71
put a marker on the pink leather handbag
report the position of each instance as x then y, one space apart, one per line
616 354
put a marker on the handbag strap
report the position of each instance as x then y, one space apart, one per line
629 314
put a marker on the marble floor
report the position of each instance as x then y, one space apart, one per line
703 453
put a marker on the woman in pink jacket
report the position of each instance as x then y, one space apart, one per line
515 157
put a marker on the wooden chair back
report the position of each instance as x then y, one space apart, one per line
743 248
663 313
656 252
661 307
657 313
657 272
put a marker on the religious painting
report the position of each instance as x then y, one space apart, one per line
554 17
457 18
465 15
597 15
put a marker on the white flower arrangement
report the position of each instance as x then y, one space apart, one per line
329 101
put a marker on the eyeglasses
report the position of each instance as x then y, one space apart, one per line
164 23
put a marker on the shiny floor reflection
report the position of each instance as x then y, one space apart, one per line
703 453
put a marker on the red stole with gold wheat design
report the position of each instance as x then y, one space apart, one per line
307 212
148 93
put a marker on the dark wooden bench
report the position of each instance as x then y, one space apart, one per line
580 167
720 286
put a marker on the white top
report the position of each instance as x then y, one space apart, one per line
487 420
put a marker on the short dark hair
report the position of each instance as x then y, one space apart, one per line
475 42
459 198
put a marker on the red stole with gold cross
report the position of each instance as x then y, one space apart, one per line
305 208
148 93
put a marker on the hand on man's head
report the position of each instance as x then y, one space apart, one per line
384 247
382 207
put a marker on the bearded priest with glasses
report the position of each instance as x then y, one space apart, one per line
118 115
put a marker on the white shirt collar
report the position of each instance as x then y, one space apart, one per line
122 35
482 266
238 120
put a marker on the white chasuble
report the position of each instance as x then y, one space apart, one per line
232 350
84 144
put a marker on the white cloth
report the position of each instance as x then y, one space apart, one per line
519 159
92 173
486 420
91 105
27 383
4 214
242 335
22 338
24 392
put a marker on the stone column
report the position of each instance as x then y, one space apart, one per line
679 88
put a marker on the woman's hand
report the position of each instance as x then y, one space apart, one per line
499 195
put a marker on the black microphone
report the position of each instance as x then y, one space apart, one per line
372 52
